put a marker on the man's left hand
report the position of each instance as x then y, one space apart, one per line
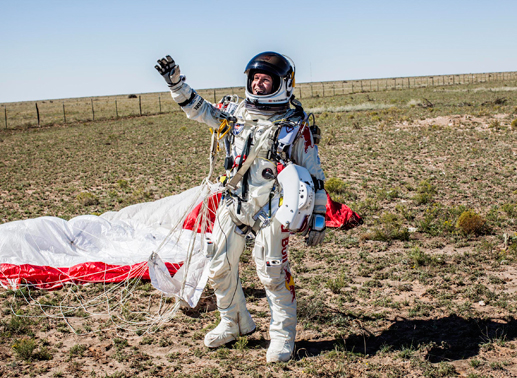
316 231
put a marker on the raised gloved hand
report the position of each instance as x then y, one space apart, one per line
316 232
169 70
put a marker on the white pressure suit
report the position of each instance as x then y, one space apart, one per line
257 193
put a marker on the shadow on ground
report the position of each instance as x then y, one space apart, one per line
450 338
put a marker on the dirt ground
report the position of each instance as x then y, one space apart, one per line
419 290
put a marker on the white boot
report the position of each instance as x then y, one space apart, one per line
229 329
225 332
280 350
235 321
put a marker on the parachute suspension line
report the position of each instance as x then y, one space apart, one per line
114 302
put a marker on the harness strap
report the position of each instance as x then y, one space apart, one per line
318 184
243 166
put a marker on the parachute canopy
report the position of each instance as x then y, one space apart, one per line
158 240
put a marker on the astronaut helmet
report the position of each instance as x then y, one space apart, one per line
281 69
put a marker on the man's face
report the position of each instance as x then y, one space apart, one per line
262 84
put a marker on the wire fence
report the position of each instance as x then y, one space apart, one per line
54 112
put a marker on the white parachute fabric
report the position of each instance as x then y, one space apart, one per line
47 252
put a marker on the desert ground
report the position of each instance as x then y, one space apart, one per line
426 287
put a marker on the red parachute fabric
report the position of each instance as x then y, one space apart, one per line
47 277
338 215
341 216
190 221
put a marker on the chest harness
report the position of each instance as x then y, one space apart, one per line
279 142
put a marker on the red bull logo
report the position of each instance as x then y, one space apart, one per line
289 283
285 243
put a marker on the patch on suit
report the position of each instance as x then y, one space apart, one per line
237 128
289 283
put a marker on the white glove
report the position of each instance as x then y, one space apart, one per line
170 71
316 232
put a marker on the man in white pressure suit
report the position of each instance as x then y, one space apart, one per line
262 135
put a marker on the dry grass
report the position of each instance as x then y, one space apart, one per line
406 294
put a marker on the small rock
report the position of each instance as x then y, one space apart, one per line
481 303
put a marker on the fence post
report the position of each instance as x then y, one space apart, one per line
140 104
160 103
408 83
361 86
333 89
116 109
312 93
300 92
5 111
323 88
215 99
93 111
37 114
64 114
352 87
377 85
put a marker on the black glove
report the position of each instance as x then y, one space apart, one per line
316 232
169 70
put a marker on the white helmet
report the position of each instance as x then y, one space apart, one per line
281 69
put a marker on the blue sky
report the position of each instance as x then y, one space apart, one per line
60 49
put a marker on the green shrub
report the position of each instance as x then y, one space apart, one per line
17 325
389 227
514 124
120 343
339 190
123 184
241 344
87 199
141 194
420 258
24 347
335 185
470 222
43 354
77 350
390 194
335 285
510 209
425 192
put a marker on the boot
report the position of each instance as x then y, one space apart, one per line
235 321
280 350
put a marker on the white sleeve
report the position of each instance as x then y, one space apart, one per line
195 106
305 153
